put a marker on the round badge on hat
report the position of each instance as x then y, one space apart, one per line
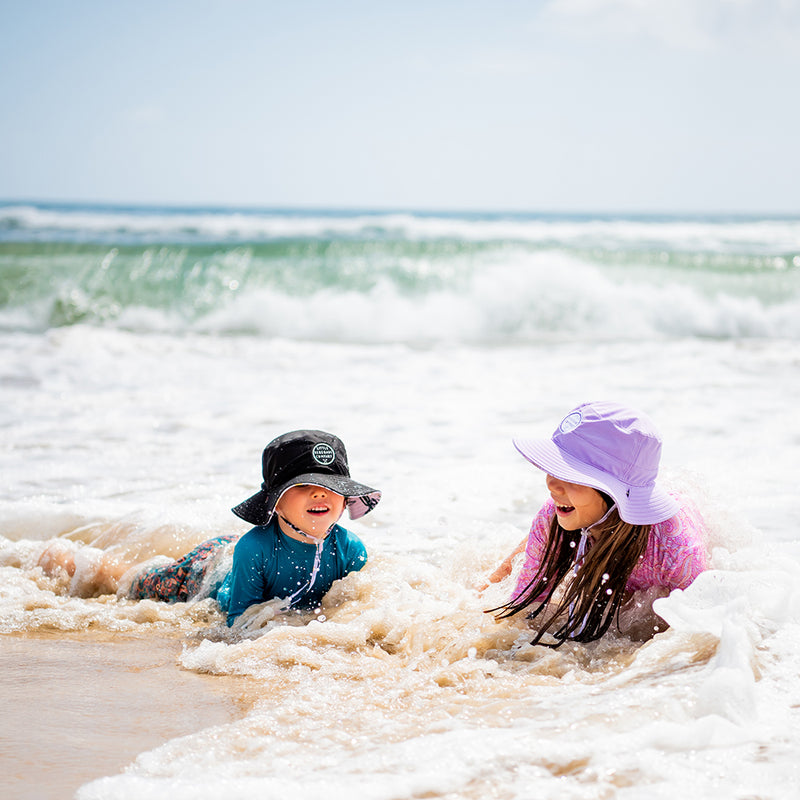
323 454
570 422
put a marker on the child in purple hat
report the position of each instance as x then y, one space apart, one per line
609 540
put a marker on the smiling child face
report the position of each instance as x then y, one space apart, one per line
313 509
577 506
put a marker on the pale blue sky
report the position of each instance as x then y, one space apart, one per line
557 105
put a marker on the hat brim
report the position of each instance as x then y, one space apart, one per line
637 505
359 498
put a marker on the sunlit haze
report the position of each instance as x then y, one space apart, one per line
558 105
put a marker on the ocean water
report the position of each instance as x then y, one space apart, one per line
149 354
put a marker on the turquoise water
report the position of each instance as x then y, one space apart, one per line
398 276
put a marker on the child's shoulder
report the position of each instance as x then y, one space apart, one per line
258 537
346 541
687 526
342 534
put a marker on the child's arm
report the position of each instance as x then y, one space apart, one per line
248 579
533 545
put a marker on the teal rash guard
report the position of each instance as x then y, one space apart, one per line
268 564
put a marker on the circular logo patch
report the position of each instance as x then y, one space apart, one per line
570 422
323 454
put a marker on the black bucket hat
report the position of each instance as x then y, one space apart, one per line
305 457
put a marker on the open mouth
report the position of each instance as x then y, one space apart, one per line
318 511
565 509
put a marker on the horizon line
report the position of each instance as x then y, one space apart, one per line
388 209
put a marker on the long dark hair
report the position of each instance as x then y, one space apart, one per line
594 594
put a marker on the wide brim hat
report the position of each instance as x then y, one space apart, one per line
306 457
611 448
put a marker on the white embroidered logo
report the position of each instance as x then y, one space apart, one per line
570 422
323 454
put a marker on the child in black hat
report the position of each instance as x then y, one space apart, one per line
295 551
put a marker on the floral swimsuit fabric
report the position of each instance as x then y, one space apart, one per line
675 554
182 579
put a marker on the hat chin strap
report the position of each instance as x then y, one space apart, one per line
602 519
290 601
306 537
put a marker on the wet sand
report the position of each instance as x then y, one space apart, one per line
78 707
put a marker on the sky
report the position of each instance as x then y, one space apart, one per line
502 105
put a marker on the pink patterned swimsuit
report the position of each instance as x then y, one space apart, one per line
675 554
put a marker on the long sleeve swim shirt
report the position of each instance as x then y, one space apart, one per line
268 565
675 554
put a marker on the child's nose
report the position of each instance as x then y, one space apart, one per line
553 484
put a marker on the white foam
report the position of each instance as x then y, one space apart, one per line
132 443
515 301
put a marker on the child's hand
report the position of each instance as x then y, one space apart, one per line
504 568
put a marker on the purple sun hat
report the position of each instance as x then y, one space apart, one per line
612 448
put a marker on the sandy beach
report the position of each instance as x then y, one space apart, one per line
83 706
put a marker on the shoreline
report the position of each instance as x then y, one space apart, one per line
77 707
